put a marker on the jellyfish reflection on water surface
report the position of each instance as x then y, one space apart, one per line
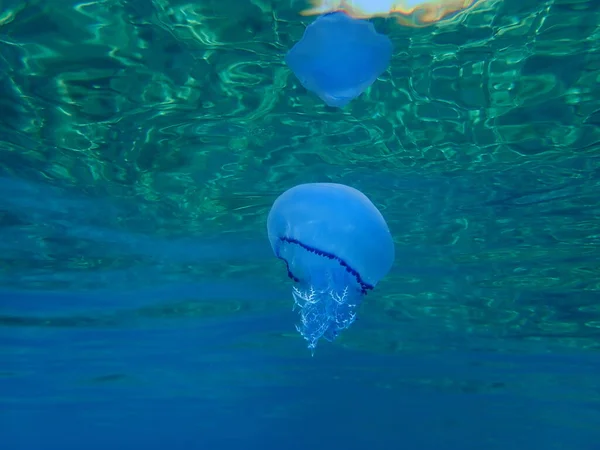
339 57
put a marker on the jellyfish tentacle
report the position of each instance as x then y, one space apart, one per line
339 299
325 311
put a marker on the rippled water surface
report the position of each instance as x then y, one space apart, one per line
142 143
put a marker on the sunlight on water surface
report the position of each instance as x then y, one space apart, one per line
407 12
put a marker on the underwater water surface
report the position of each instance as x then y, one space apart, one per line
142 146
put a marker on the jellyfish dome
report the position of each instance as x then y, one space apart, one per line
336 246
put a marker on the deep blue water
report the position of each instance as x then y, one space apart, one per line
182 385
124 381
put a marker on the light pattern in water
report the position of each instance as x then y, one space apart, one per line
407 12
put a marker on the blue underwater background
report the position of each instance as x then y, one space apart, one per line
142 145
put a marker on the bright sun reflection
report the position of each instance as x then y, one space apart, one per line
408 12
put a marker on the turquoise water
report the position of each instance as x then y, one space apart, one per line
142 144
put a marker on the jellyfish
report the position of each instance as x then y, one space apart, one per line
336 247
339 57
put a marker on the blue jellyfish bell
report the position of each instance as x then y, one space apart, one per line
336 246
339 57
